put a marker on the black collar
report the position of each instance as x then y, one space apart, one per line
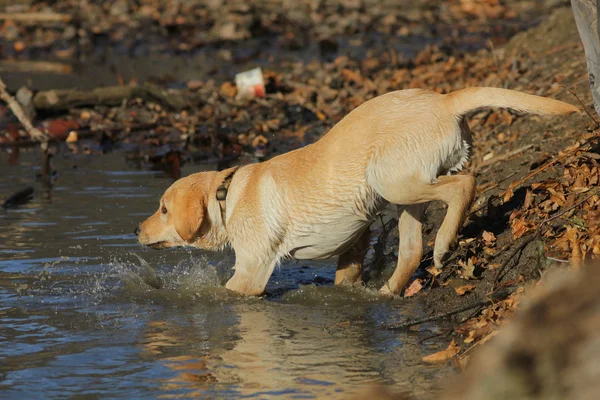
221 194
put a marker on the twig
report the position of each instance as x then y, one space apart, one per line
494 297
442 333
582 105
50 67
519 248
537 234
20 114
532 174
563 212
36 17
504 156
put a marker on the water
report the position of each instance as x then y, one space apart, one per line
84 310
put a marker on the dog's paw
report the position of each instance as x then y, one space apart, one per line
386 291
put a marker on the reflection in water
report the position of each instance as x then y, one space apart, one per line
80 314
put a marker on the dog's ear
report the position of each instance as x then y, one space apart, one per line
189 211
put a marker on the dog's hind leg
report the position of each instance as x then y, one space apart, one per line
350 263
410 247
457 191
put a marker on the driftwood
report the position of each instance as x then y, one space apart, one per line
50 67
16 108
20 197
33 132
35 17
57 100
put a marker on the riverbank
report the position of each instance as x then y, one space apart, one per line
537 200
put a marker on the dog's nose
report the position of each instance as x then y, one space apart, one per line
137 231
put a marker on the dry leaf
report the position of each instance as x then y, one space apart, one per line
466 241
351 75
433 270
414 288
576 254
228 89
529 196
519 227
464 289
489 238
442 356
508 195
468 268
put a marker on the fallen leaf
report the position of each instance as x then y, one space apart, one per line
489 238
464 289
466 241
508 195
414 288
519 227
478 332
468 268
442 356
576 254
433 270
351 75
228 89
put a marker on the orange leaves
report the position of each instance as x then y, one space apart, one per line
576 254
518 225
351 76
467 268
442 356
228 89
484 327
414 288
433 270
489 238
464 289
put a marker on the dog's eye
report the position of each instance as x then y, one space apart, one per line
163 210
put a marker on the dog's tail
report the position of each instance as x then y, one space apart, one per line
465 100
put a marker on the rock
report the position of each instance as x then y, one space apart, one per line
25 97
549 351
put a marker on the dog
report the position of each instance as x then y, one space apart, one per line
318 201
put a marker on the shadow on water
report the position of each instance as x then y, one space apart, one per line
85 310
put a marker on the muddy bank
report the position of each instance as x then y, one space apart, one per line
534 357
537 201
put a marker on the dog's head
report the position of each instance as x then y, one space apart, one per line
182 218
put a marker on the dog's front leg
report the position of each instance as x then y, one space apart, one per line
251 275
350 263
410 247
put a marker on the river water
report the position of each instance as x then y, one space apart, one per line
80 314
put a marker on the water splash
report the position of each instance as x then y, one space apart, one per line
191 281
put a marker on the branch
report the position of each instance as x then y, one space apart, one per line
35 17
493 298
16 108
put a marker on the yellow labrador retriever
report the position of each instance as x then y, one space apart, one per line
318 201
